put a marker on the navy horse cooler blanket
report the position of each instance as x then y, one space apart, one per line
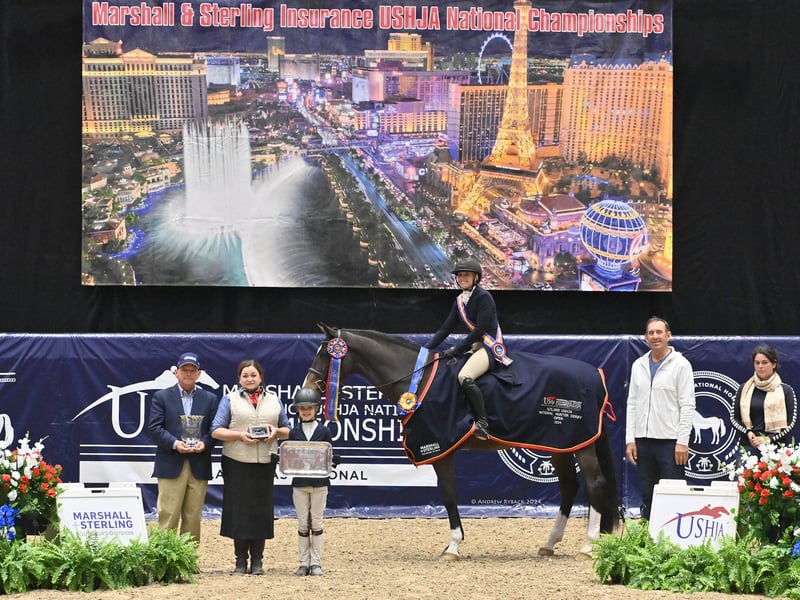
547 403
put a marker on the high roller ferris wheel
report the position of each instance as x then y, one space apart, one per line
496 72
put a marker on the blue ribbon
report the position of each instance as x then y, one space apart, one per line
411 394
337 348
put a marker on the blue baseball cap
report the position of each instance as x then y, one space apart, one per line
189 358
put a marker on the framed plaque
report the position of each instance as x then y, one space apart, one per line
258 431
309 459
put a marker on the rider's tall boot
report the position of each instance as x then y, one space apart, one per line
475 399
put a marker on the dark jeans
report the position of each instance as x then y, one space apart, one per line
656 461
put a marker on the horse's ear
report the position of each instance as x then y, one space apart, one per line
327 330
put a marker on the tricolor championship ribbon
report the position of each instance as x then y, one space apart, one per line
495 344
409 402
337 349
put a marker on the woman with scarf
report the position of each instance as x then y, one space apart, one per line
249 421
765 408
475 309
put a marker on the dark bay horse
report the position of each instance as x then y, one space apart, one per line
388 362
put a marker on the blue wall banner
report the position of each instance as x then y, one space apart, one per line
89 397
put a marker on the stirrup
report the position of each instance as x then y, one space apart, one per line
481 429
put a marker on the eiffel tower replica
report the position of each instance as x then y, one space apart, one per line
510 169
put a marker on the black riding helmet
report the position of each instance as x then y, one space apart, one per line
307 397
469 264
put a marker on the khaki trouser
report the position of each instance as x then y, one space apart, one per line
180 502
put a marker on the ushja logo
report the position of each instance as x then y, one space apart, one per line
702 523
162 382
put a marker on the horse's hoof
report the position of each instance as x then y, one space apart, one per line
546 551
449 556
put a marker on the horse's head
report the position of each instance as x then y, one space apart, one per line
317 374
386 361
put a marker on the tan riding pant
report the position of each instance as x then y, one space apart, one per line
477 364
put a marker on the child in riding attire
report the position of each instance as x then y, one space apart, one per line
309 494
474 308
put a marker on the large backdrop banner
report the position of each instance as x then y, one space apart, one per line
369 144
89 397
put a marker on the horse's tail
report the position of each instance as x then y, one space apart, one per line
610 508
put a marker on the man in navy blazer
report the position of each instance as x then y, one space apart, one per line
183 470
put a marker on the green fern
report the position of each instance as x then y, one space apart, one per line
77 564
740 566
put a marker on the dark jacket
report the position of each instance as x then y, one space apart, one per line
757 417
165 428
481 310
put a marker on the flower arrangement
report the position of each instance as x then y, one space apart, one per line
769 492
28 487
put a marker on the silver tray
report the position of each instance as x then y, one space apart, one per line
309 459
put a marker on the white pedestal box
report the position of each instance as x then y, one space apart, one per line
692 515
112 513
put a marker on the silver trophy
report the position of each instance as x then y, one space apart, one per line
191 429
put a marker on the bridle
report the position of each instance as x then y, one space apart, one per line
323 376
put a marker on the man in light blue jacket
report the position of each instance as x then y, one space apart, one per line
660 407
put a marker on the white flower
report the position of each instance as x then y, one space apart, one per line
12 495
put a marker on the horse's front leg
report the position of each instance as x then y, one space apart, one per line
446 479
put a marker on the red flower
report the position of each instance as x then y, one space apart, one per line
6 477
765 493
788 494
762 500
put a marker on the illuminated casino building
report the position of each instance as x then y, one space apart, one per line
304 67
401 116
473 117
389 80
222 69
276 47
619 108
139 92
407 49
